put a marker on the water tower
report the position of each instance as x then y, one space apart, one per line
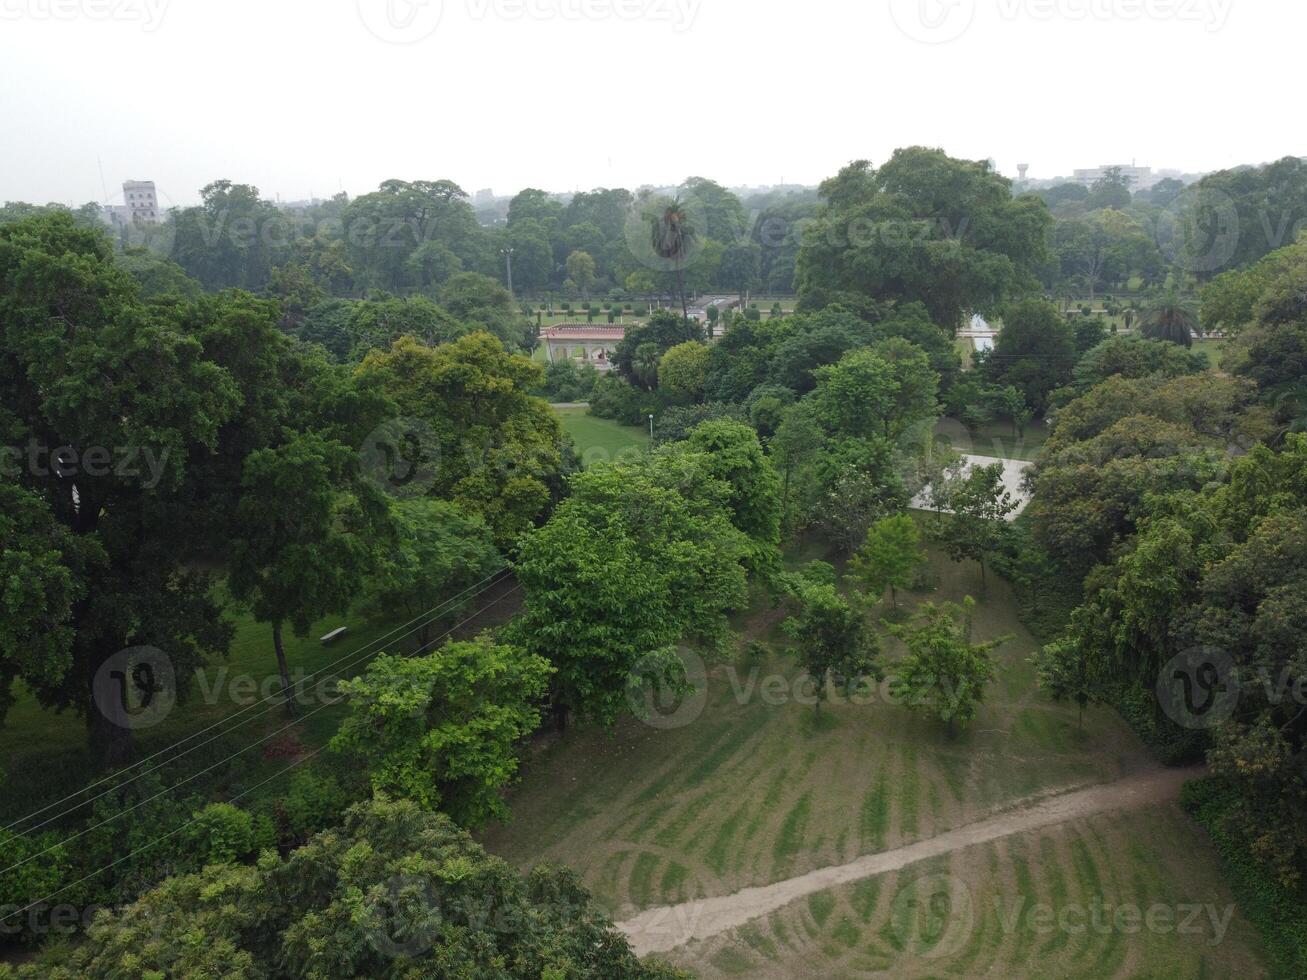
1022 170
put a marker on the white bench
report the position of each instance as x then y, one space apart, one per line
334 635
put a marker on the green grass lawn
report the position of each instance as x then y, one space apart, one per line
1213 349
601 440
758 788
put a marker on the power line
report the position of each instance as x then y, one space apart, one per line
428 617
195 775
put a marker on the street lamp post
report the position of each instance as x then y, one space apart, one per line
651 426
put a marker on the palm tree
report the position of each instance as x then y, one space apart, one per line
1170 318
673 237
644 365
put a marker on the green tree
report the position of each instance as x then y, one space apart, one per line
889 557
795 445
603 598
944 673
831 636
443 729
673 236
923 227
307 529
496 448
975 525
1034 352
87 366
395 890
581 270
1170 319
683 370
439 552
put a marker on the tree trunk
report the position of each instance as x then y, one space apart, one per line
284 669
680 282
109 740
893 596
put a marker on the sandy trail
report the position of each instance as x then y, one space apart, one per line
666 927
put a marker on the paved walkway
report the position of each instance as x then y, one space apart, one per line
1013 472
666 927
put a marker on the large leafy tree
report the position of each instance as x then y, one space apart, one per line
384 229
232 238
1034 352
308 527
443 729
395 891
129 398
923 227
496 450
625 569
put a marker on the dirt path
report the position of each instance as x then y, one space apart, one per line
666 927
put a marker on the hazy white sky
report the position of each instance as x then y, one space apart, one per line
305 97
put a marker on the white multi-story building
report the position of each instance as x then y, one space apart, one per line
141 201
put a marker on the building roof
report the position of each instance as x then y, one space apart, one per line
584 331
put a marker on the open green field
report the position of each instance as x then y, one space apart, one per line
757 789
600 440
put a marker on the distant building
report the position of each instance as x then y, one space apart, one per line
141 201
484 198
584 343
1140 178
